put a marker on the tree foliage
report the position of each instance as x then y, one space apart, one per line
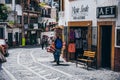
3 12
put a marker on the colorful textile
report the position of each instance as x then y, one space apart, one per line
71 48
72 34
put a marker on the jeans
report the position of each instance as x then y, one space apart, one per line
57 55
0 66
54 56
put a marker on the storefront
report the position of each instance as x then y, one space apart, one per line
98 27
107 54
80 35
32 37
80 26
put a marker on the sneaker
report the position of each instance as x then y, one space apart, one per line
54 61
58 63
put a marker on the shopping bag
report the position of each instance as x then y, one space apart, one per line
50 49
2 58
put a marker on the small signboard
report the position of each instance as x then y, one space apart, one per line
106 12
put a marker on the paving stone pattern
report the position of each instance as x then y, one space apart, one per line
36 64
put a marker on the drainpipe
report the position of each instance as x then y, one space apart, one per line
23 37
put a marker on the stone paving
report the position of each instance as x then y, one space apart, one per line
36 64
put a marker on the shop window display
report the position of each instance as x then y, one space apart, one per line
80 37
118 37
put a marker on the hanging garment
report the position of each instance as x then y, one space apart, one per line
78 33
71 48
79 43
72 34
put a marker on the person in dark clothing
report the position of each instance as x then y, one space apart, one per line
58 47
42 42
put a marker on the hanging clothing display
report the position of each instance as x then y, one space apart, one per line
79 43
72 34
85 45
71 48
77 33
79 36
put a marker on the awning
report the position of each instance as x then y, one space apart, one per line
10 25
30 14
44 5
58 27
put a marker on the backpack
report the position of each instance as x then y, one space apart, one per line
58 43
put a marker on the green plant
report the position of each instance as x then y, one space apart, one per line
11 22
3 12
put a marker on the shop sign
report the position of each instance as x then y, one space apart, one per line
80 12
106 12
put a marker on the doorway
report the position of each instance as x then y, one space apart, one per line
10 39
1 33
106 35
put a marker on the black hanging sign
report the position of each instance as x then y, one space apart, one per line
106 12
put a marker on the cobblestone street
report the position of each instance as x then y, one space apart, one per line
36 64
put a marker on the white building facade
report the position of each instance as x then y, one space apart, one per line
98 23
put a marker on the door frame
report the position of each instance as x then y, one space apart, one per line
99 24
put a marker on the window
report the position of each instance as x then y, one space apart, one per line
25 19
8 1
17 1
118 37
19 19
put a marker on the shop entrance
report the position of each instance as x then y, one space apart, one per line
78 36
106 35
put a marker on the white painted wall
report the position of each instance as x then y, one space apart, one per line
101 3
13 5
89 14
2 1
106 2
118 15
6 33
61 20
19 10
66 13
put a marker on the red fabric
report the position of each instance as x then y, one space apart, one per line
51 49
71 48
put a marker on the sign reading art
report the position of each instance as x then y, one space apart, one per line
106 12
80 12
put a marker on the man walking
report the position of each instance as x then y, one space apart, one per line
42 42
58 47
